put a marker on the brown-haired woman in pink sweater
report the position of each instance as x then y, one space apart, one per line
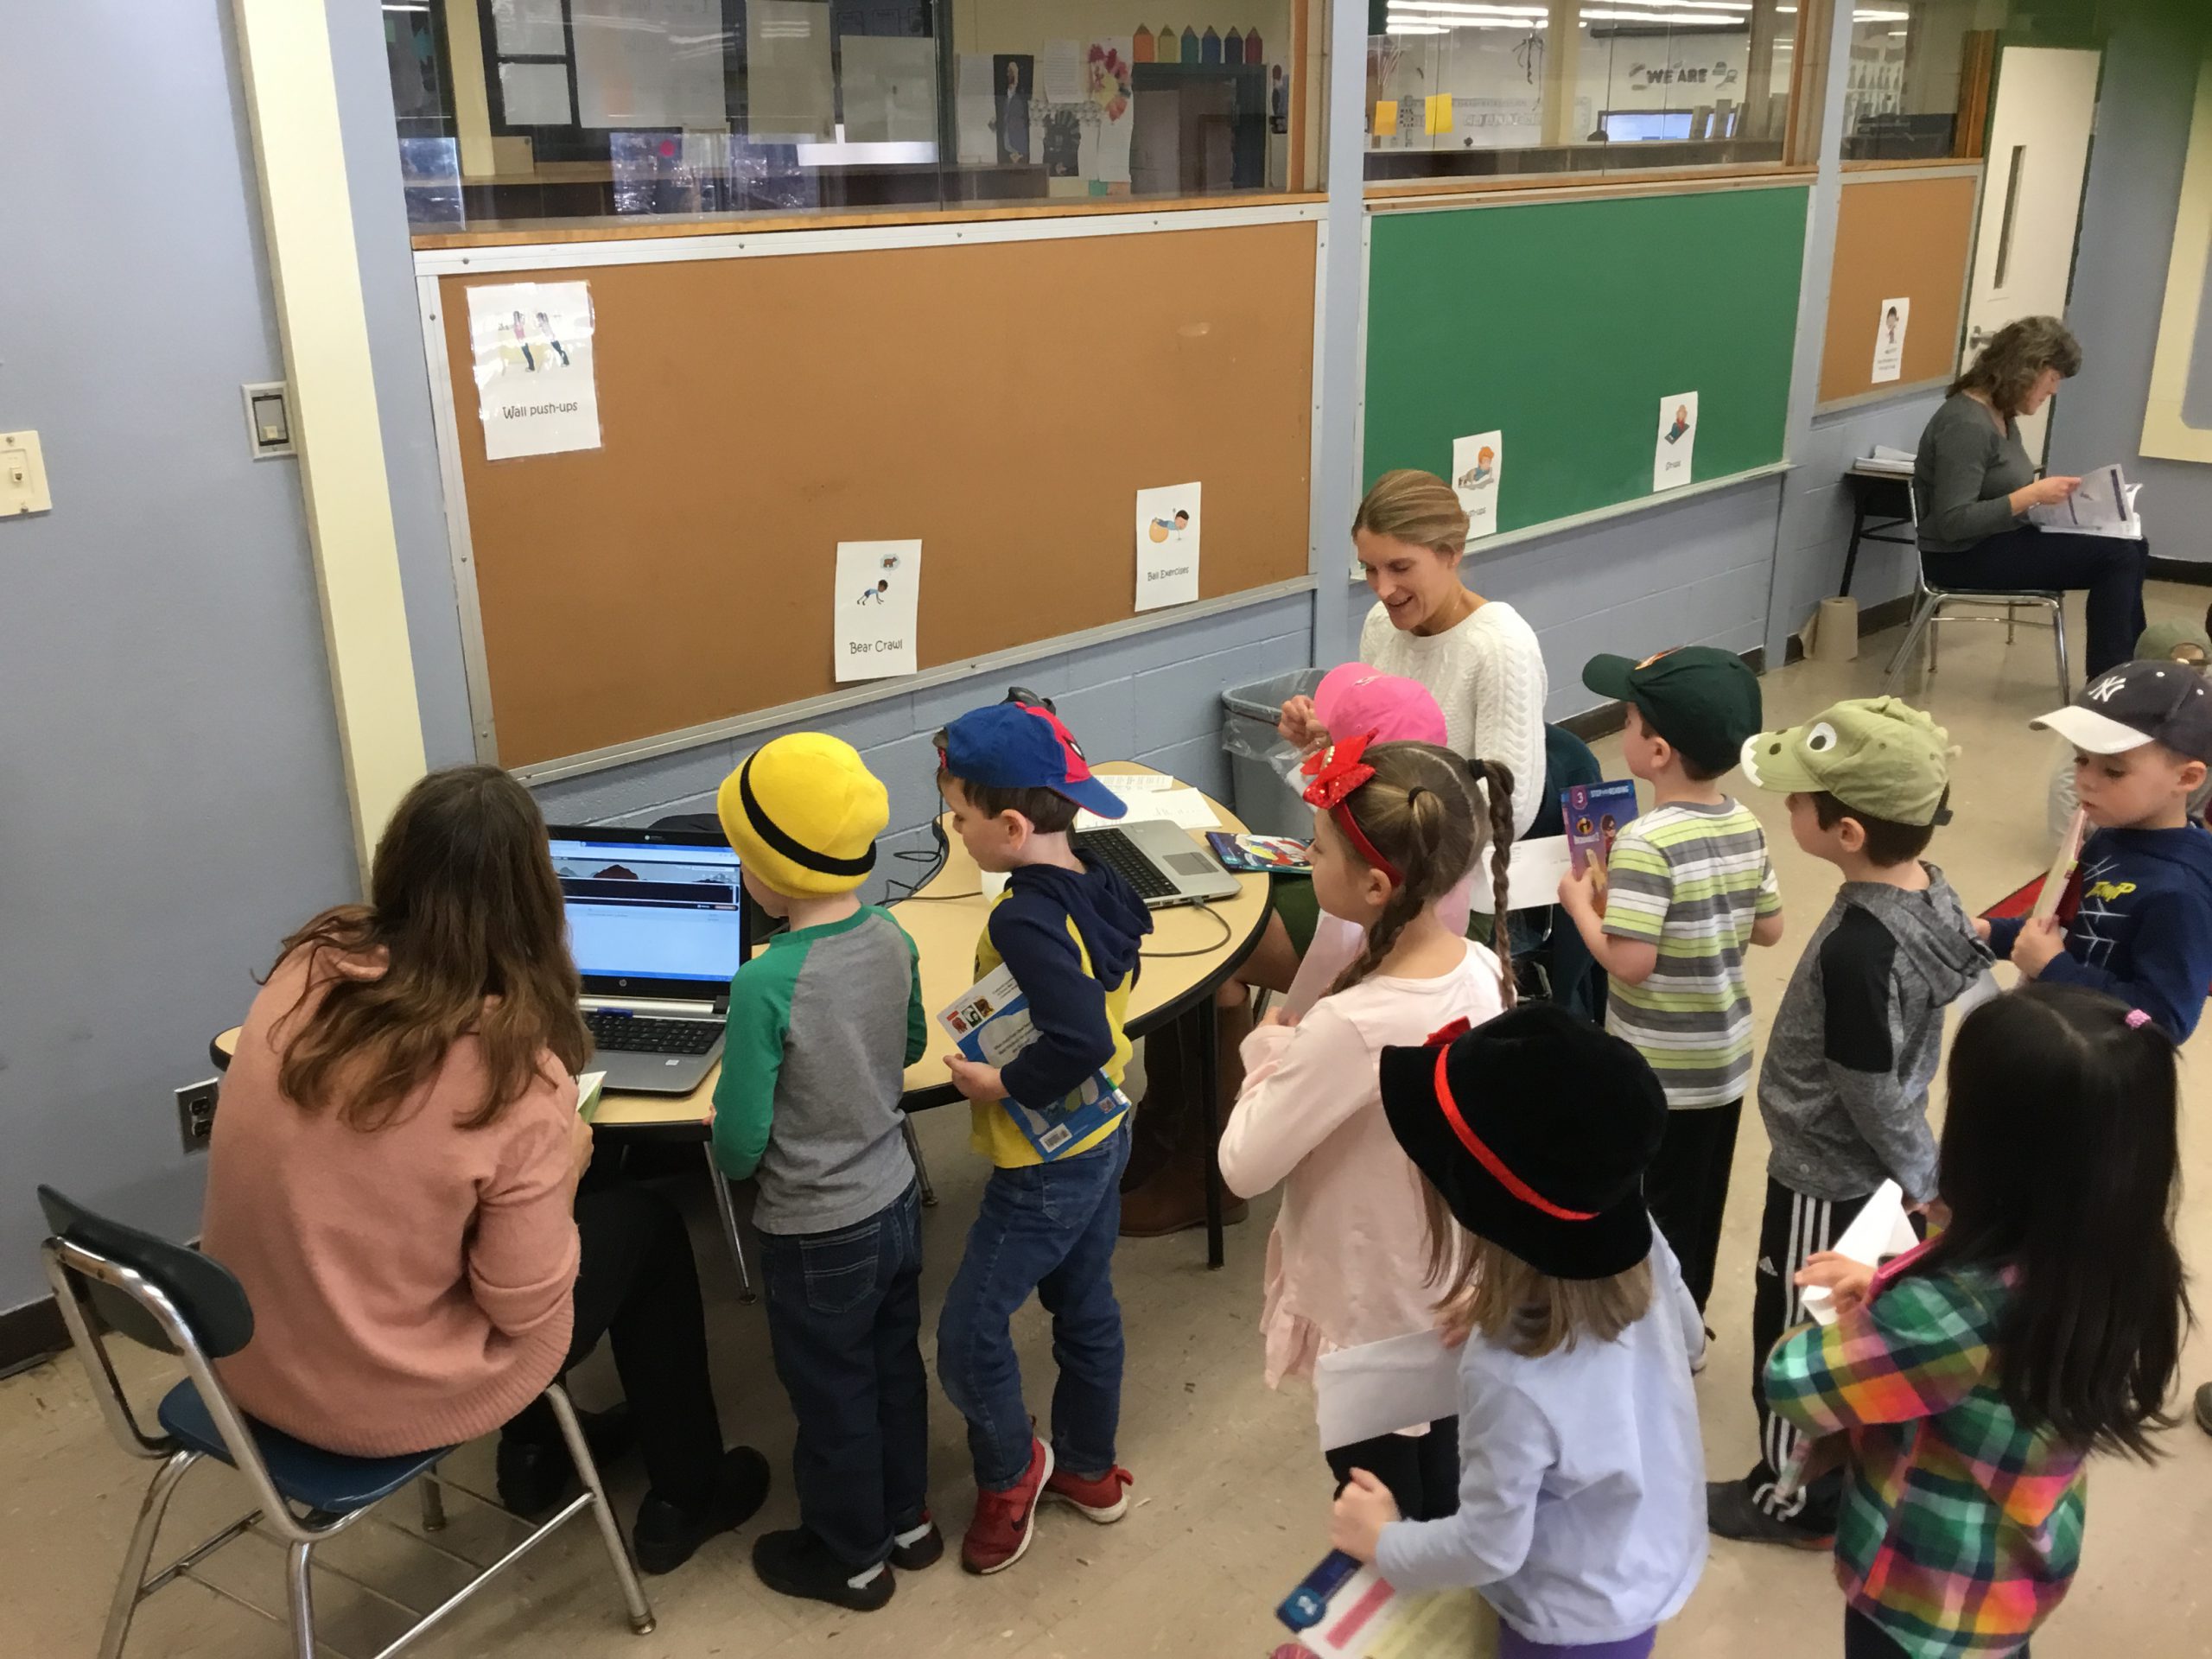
393 1178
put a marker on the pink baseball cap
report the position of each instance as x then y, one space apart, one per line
1354 699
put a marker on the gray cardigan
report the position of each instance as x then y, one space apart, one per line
1963 473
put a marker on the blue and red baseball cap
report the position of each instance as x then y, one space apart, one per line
1019 746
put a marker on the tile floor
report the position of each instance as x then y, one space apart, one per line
1231 1494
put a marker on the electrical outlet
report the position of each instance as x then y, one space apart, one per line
195 1114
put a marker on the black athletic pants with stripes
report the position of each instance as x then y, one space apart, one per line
1793 1227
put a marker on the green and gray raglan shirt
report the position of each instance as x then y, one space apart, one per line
1691 879
823 1024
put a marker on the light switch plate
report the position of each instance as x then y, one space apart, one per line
22 476
268 418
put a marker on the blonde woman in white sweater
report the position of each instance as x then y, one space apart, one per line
1478 656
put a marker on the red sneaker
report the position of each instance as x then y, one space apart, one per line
1103 1500
1004 1521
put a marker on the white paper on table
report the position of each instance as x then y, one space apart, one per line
1674 455
1378 1388
1138 783
1890 324
1880 1230
877 604
1169 532
1060 72
1181 806
537 390
1477 463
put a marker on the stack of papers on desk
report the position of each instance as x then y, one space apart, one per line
1158 797
1886 459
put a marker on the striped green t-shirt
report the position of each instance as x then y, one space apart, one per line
1692 880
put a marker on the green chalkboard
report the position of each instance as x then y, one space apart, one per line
1563 324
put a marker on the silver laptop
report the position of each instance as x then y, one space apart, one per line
1161 861
657 922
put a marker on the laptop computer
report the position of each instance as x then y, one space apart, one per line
1161 861
657 922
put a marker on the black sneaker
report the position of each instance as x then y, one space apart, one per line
797 1563
533 1475
1732 1512
916 1547
666 1536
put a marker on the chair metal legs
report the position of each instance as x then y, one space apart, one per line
726 1207
921 1167
2058 644
610 1533
299 1599
1922 616
1928 616
130 1586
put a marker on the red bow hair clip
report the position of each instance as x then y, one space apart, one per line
1336 771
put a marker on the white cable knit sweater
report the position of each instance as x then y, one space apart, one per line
1487 675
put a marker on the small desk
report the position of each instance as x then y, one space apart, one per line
1885 499
945 919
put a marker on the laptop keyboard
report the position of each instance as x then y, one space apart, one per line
1119 854
631 1034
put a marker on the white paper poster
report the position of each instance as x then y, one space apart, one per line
1889 339
973 110
877 605
1476 463
535 388
1059 71
1677 445
1167 546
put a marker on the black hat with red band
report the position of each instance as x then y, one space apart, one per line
1536 1127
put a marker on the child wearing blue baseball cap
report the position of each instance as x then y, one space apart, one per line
1069 931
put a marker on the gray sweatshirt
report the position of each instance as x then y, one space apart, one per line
1843 1089
1963 472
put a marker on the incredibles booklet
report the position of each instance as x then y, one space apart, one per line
1595 814
990 1023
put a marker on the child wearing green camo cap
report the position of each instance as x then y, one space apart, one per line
1843 1089
2175 641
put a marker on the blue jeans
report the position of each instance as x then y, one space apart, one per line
844 1324
1049 1228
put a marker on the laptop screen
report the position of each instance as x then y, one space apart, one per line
643 910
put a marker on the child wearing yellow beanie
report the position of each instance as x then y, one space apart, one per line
823 1024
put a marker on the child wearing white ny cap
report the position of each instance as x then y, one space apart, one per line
2142 738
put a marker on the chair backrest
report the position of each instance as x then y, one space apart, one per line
205 1292
1567 761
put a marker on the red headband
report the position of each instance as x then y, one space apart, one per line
1473 1143
1338 772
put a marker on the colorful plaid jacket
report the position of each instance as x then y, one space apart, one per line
1960 1528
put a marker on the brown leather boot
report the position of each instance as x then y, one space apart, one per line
1173 1200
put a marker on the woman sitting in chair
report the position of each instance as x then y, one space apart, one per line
1974 485
393 1178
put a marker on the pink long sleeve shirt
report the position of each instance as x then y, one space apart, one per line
412 1285
1347 1260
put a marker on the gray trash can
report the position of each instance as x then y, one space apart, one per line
1259 758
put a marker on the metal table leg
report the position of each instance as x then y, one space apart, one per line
728 1207
921 1165
1210 1115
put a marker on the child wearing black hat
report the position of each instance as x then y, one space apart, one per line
1581 1516
2142 738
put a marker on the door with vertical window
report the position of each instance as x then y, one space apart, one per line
2039 128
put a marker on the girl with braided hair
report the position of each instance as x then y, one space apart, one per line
1397 828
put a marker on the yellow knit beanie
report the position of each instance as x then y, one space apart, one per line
804 813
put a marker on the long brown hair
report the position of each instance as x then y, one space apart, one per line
2015 355
1419 811
466 911
1487 1290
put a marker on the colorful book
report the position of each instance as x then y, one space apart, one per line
989 1022
1249 854
1595 814
1343 1610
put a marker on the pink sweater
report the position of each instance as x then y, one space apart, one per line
411 1287
1345 1260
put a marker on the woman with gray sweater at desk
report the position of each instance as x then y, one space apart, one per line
1974 485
